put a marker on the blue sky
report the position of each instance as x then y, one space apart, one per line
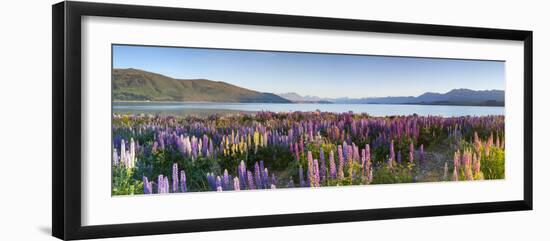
324 75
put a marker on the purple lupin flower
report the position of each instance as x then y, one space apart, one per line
183 181
250 180
367 158
323 165
211 180
262 169
175 180
392 155
257 176
344 151
205 145
265 177
316 176
210 149
219 183
226 185
242 175
166 185
194 148
160 184
147 186
332 165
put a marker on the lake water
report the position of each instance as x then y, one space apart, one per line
371 109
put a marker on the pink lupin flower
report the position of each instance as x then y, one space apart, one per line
411 152
456 160
455 174
310 170
332 165
367 157
477 166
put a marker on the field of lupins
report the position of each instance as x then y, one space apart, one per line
159 154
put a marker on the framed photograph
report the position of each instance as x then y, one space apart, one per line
169 120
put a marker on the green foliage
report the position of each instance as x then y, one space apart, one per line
395 174
124 183
492 166
350 178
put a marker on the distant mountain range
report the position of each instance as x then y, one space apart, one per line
294 97
453 97
139 85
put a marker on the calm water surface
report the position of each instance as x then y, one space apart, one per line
371 109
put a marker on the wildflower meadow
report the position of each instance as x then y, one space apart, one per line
167 154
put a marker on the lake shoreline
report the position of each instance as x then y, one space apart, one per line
370 109
297 103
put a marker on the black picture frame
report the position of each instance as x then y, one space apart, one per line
66 128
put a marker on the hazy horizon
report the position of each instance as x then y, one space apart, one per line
315 74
